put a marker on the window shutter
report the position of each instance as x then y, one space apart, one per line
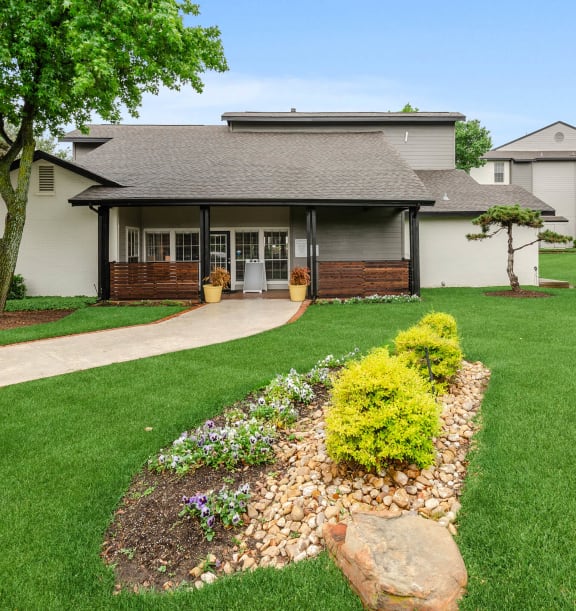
46 178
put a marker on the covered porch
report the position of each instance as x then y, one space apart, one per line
350 250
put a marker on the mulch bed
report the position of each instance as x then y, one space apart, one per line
14 320
517 294
151 546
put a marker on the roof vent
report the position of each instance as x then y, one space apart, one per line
292 110
559 137
46 178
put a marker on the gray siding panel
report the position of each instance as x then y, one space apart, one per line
545 140
424 147
521 175
352 234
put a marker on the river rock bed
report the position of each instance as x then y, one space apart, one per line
294 498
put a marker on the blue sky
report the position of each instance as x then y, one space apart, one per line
508 63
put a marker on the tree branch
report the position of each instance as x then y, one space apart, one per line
4 133
528 244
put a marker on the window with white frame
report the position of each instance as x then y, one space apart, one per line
172 245
498 171
187 246
132 244
157 246
276 255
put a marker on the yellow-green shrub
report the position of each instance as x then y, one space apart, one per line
444 354
380 410
441 323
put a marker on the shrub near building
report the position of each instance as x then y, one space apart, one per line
380 411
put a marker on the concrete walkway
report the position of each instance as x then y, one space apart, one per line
211 324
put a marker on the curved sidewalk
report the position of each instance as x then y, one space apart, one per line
213 324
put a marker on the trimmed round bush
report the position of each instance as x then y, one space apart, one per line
17 288
441 323
420 345
380 411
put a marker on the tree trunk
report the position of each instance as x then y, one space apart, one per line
510 268
15 200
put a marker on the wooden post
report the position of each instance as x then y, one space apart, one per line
312 257
204 246
414 252
103 253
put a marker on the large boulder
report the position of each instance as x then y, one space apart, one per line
398 562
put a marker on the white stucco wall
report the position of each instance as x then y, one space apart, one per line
485 174
59 250
446 256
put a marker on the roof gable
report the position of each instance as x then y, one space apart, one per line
70 166
558 136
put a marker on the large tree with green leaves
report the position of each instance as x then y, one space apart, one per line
61 61
472 141
504 218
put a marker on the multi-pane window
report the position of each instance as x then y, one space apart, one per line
499 171
158 246
187 246
132 244
276 255
247 248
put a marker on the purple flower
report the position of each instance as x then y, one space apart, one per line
209 424
205 511
235 519
210 521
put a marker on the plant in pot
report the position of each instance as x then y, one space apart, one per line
218 279
299 281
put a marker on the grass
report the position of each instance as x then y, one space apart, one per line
85 319
70 445
559 265
49 303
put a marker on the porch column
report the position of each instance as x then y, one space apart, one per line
103 253
204 245
414 252
312 256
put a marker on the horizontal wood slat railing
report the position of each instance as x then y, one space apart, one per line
363 278
162 280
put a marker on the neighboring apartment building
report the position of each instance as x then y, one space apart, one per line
542 162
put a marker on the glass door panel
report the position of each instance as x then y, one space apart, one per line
276 255
247 248
220 249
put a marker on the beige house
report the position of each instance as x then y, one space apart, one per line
370 202
544 163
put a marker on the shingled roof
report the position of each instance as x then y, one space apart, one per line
456 193
168 164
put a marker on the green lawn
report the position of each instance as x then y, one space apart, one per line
82 320
559 265
70 445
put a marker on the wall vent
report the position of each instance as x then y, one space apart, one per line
46 178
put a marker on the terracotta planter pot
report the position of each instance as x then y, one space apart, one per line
297 292
212 294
